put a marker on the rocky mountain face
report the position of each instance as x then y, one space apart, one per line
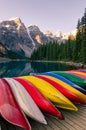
3 50
40 38
14 36
20 41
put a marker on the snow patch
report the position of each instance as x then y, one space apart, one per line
13 18
30 37
7 26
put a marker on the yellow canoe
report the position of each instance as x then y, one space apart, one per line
70 88
81 73
51 93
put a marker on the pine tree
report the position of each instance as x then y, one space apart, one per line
79 24
77 47
83 49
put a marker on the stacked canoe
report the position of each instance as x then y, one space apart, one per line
40 93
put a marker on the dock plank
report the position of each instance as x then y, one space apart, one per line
73 121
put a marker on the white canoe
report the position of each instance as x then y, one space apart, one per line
25 101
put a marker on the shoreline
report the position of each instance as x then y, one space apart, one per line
3 60
79 65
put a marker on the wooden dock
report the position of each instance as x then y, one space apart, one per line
73 121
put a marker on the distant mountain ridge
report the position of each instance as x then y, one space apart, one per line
19 40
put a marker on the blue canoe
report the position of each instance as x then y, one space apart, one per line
65 80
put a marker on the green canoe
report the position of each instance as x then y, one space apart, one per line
77 80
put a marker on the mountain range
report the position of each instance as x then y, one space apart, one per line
19 41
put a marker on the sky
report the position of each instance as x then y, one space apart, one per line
50 15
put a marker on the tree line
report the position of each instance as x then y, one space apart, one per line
54 51
71 50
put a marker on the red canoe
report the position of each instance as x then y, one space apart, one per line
64 91
76 73
9 107
44 104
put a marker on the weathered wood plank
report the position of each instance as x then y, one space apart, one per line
73 121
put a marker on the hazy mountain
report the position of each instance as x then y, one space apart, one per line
72 34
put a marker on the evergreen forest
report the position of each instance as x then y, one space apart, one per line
72 50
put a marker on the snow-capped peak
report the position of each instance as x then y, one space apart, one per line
58 33
17 20
14 18
49 34
34 28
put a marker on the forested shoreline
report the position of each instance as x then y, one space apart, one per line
73 50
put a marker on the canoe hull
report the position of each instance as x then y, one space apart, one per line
44 104
80 95
55 75
25 101
9 107
59 87
77 80
51 93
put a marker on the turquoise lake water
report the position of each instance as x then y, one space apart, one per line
19 68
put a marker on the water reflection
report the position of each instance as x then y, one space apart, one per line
14 69
19 68
46 66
